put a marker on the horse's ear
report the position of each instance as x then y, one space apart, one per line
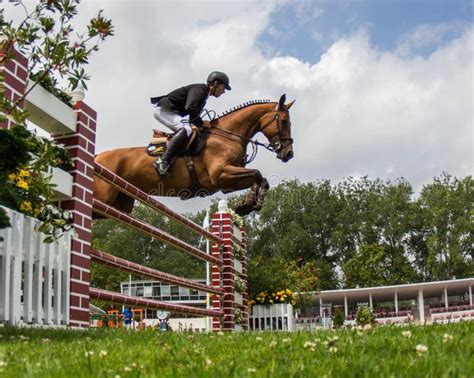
281 103
290 105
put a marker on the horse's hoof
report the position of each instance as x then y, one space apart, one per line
243 210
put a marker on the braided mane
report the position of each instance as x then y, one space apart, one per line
244 105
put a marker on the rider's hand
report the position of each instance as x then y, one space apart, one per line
206 125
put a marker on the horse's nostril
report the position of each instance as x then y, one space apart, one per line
289 155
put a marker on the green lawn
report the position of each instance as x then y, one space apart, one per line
443 351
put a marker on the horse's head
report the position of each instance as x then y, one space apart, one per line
276 126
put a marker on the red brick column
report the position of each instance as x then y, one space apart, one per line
244 276
15 73
222 226
81 147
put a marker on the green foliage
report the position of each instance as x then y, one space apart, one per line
45 37
374 232
378 352
364 316
273 274
55 51
339 317
25 182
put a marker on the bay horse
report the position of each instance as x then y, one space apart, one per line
220 166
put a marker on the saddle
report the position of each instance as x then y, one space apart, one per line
196 144
159 141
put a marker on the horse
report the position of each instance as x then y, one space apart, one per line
220 166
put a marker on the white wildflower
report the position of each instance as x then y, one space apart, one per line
103 353
220 333
45 340
208 361
21 337
127 368
309 344
406 334
335 338
333 349
251 370
286 340
447 337
273 343
89 353
421 349
2 364
258 338
367 326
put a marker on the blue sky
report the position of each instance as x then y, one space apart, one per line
305 29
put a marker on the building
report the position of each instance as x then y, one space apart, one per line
421 303
170 293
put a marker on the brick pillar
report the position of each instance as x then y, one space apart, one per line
244 276
222 226
81 147
15 73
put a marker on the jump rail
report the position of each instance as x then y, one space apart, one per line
134 268
110 296
132 191
140 225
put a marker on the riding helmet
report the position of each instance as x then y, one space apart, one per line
221 77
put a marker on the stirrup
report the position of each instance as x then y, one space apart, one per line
162 167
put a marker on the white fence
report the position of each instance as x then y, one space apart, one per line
34 276
277 317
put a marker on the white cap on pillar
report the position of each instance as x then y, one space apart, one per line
78 94
222 206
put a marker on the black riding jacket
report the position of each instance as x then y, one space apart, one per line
188 100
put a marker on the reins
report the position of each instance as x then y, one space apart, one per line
254 142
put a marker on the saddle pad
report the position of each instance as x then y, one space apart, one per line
156 149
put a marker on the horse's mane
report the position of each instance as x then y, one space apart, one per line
244 105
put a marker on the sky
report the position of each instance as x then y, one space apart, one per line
383 88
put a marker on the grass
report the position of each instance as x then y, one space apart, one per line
378 352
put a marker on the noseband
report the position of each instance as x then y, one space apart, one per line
279 142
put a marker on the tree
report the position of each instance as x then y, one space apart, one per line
444 243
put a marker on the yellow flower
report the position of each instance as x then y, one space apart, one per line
26 206
271 301
12 177
37 211
24 173
22 184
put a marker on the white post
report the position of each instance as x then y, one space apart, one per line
208 275
346 309
396 303
470 295
320 306
370 301
446 297
421 306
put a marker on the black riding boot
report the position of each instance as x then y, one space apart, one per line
175 146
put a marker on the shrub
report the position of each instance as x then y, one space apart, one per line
365 316
339 318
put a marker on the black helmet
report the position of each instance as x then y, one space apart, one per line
221 77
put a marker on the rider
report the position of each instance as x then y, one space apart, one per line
172 109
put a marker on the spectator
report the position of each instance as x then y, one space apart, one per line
128 317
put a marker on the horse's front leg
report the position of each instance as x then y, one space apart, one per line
237 178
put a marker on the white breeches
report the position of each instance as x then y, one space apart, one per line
171 120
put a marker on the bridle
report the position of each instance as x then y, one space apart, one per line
279 142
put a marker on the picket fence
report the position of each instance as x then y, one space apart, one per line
34 276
